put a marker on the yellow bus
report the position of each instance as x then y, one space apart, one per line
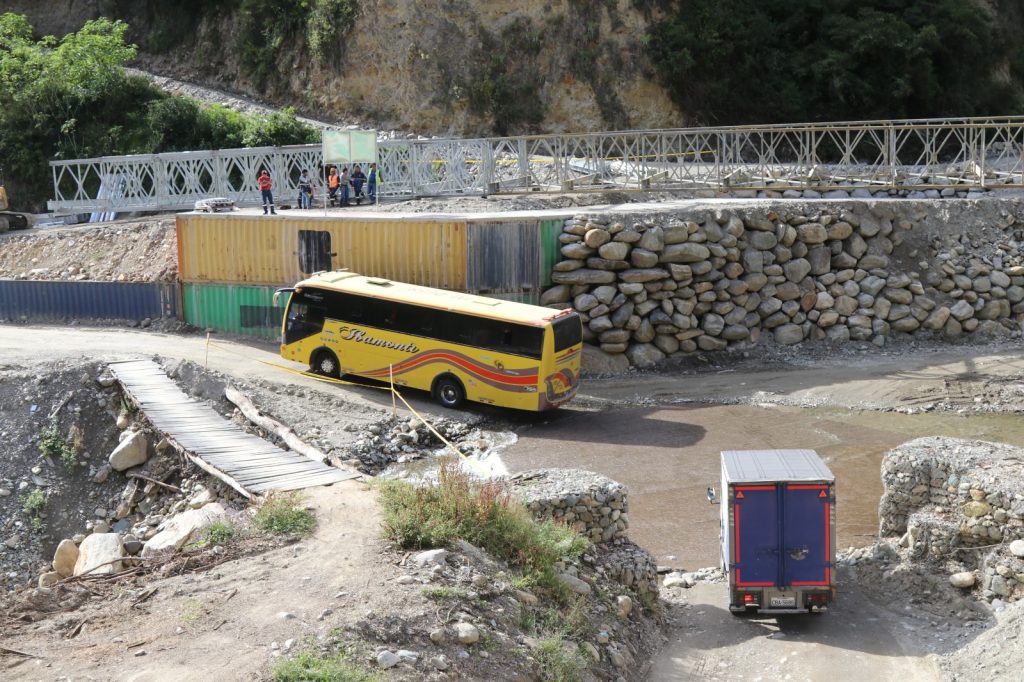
457 346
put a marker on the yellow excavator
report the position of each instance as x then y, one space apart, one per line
12 220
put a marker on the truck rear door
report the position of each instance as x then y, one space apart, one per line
782 535
806 541
756 526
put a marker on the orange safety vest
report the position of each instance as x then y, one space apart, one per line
333 180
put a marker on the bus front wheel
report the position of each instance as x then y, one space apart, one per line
325 363
448 392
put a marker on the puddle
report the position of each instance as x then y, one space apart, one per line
668 456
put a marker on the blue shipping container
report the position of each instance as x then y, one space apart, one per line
54 301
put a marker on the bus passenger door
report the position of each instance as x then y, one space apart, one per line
314 251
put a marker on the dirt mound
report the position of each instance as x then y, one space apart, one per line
130 251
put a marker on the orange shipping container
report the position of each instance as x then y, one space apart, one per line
253 249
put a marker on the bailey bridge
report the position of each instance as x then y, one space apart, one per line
942 154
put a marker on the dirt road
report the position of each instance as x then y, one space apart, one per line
856 640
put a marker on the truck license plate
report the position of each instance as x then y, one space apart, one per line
782 601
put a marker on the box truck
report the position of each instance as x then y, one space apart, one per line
778 531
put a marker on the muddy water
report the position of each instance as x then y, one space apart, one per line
668 456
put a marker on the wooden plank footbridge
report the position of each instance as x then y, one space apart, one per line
247 463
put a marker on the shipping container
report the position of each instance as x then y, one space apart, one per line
778 531
550 249
503 256
244 248
55 300
233 308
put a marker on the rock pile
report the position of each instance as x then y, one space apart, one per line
959 503
663 283
592 504
399 441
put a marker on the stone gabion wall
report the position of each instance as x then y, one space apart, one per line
668 282
592 504
959 501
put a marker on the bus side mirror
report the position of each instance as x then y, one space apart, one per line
712 497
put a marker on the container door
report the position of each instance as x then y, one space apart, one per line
806 535
314 251
756 535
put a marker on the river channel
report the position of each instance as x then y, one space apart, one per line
668 456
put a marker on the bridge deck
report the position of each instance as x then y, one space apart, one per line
247 463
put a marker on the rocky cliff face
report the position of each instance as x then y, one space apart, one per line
444 67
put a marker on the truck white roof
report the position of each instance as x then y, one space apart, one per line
770 466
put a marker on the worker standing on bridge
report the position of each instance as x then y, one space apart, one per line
333 185
371 183
266 190
358 178
305 190
344 186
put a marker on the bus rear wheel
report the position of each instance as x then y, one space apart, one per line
325 363
448 391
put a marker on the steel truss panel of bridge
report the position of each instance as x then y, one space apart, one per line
961 154
245 462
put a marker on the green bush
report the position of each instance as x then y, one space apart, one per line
481 513
219 533
52 444
557 663
71 98
764 61
33 504
309 667
283 515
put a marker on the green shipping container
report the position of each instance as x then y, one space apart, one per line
234 309
550 249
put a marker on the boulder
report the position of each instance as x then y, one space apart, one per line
796 269
644 355
177 530
961 310
616 251
937 319
687 252
763 241
577 250
99 553
583 276
789 334
65 558
642 258
812 233
643 275
575 584
820 259
467 633
556 294
595 238
652 240
131 451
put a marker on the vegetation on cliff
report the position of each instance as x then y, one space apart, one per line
71 98
769 61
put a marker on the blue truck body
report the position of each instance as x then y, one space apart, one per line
778 531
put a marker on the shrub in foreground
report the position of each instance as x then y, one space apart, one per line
482 513
284 515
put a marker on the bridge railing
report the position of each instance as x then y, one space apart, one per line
962 154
